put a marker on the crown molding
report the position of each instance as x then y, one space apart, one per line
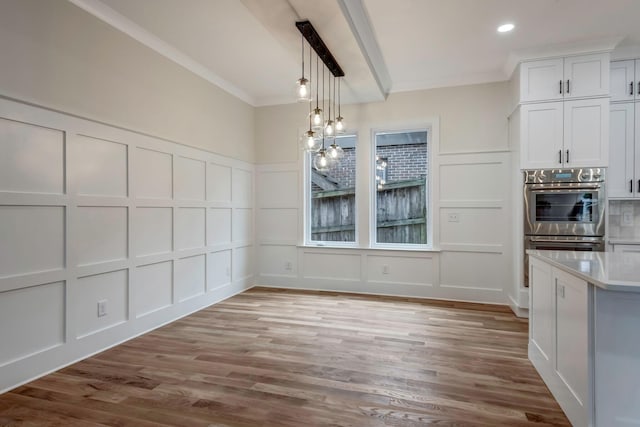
554 51
626 52
135 31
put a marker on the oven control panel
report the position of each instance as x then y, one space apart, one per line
549 176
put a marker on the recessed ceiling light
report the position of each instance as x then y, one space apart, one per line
505 28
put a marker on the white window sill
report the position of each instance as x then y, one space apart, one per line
372 248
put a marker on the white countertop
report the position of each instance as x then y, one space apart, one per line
608 270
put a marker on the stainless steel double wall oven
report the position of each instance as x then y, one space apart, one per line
564 210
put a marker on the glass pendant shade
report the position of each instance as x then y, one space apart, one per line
321 161
310 142
335 152
329 129
303 90
316 119
340 125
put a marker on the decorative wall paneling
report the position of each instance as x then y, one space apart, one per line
91 213
473 263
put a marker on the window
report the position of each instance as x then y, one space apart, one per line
400 188
332 202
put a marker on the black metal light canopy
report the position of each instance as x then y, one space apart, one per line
315 41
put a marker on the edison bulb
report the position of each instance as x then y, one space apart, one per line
320 161
302 89
335 152
316 118
340 125
310 142
328 128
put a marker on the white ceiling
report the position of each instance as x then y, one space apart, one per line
251 48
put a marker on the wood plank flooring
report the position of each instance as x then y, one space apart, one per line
295 358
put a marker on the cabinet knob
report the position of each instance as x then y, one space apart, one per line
567 159
568 90
560 87
631 185
631 88
559 156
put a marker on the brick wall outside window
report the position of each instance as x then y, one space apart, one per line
404 162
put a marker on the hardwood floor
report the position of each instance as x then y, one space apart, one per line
293 358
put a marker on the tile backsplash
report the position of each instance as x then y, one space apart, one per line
624 219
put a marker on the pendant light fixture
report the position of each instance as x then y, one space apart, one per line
328 125
321 161
316 115
321 130
334 151
310 140
340 124
303 88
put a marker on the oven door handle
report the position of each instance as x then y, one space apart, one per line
581 188
573 242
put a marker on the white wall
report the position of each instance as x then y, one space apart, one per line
472 178
157 222
91 213
57 55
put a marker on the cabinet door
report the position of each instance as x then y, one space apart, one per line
586 133
572 344
588 75
626 248
541 80
637 86
542 312
637 151
622 80
621 151
541 135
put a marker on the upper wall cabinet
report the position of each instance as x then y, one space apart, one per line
625 80
564 78
565 134
624 172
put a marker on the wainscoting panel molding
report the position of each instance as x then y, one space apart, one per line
106 234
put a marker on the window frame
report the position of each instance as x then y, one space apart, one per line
307 165
431 129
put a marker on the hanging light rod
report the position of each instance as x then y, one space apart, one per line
312 36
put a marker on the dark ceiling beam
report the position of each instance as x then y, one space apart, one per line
315 41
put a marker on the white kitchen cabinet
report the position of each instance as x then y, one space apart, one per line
625 80
541 80
565 134
624 151
586 133
541 316
594 369
559 337
572 343
564 78
626 248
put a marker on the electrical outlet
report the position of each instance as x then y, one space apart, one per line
102 308
627 218
288 266
454 217
385 269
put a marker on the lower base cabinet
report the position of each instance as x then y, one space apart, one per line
584 342
560 346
